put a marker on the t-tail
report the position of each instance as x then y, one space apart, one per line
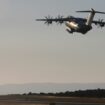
91 15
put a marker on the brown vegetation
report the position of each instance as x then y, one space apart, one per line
45 100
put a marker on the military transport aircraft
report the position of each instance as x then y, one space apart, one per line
75 24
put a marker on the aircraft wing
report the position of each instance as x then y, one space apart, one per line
99 23
60 19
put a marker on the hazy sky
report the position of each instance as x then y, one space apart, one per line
33 52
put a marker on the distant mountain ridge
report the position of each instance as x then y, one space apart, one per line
47 87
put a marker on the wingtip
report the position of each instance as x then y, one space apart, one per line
37 19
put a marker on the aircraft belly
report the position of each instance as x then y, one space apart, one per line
72 25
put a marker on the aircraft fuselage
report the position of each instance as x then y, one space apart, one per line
81 26
78 27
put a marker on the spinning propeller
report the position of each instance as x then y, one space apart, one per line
101 23
60 18
48 20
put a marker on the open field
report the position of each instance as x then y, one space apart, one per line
48 100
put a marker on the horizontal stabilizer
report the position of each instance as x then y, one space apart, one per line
100 12
92 10
84 11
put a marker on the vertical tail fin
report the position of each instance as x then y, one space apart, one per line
91 15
